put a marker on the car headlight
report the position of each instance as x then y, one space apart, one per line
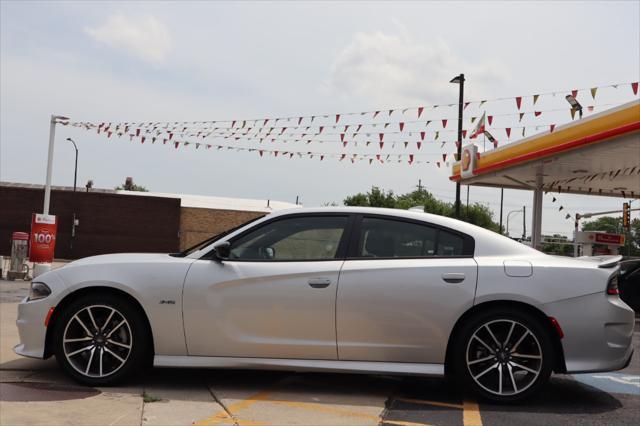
38 291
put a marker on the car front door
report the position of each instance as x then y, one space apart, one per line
274 297
401 290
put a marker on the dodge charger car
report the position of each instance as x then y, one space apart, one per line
342 290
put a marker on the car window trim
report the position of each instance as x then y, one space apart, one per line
468 246
343 244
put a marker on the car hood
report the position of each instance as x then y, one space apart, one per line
120 258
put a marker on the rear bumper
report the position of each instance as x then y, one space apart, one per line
598 332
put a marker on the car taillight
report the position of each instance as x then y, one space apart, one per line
612 285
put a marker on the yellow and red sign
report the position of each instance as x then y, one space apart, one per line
43 237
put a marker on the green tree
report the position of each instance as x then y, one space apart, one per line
476 213
557 244
130 186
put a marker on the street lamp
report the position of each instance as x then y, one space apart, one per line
75 170
459 79
575 105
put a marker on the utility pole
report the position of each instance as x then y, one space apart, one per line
419 185
501 205
524 222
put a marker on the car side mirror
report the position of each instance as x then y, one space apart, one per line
222 250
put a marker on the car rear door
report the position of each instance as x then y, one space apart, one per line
274 297
402 288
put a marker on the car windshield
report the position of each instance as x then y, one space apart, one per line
209 240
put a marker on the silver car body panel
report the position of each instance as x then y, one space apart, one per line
374 315
436 370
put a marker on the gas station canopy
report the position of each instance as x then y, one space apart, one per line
598 155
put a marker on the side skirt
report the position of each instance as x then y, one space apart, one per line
434 370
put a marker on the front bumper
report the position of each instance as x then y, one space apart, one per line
31 328
598 332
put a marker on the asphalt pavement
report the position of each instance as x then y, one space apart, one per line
37 392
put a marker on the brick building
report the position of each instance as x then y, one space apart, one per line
112 221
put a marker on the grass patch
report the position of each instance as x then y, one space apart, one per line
148 398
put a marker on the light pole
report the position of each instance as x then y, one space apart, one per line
75 170
575 105
75 178
459 79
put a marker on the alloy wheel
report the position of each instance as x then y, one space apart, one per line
504 357
97 341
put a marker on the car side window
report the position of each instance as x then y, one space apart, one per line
290 239
388 238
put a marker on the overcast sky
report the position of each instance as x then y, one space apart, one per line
143 61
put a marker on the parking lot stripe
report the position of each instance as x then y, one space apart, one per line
326 409
434 403
222 415
471 414
403 423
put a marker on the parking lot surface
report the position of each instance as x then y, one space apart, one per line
37 392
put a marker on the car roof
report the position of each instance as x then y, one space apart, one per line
487 243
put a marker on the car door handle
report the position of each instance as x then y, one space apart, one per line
319 282
453 277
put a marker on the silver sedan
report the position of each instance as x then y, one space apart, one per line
342 290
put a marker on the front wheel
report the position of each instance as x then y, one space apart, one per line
100 339
504 355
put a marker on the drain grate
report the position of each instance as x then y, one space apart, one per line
38 391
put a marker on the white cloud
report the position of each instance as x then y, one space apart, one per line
146 38
394 69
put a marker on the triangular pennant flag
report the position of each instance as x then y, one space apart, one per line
444 123
342 137
464 134
370 160
401 126
574 93
482 103
410 158
233 123
344 144
381 145
634 87
381 136
437 135
420 109
552 127
299 120
523 130
438 164
518 101
521 116
375 114
422 135
466 104
141 139
593 92
508 130
457 144
535 98
490 119
444 157
283 129
390 112
320 129
573 113
419 144
359 127
176 144
561 208
473 119
386 125
405 144
537 113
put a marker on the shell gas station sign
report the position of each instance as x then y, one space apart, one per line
468 160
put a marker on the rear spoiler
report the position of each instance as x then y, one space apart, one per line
603 261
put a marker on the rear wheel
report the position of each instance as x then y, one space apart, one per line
100 339
503 355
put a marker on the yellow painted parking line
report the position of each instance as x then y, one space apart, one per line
470 409
326 409
403 423
471 414
222 415
434 403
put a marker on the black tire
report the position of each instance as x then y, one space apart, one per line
105 365
483 376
